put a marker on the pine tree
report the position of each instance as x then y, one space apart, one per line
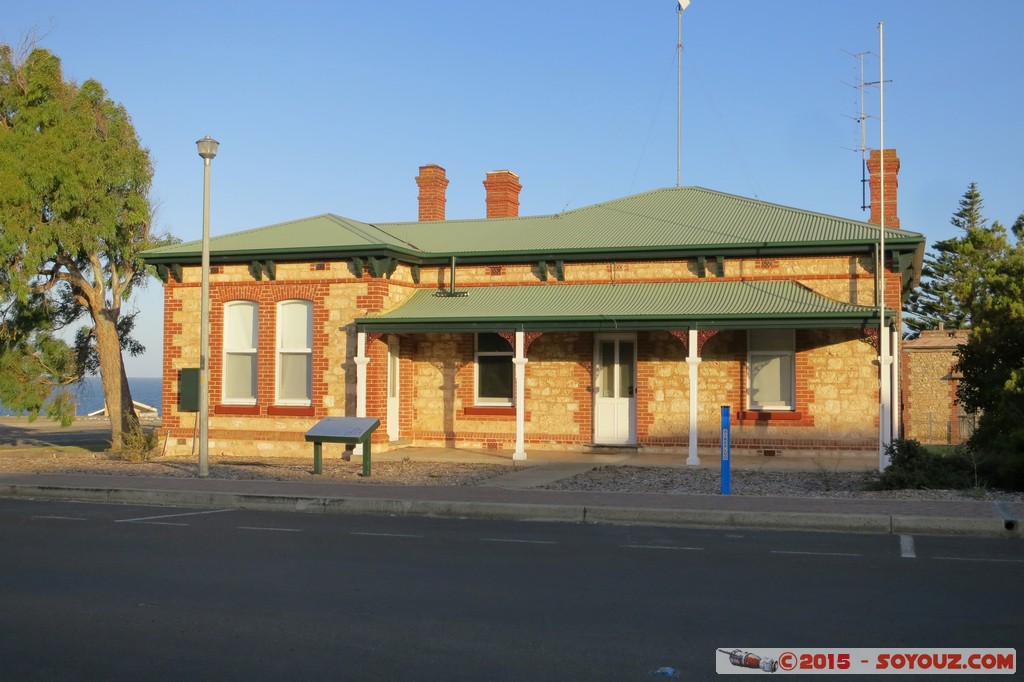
954 273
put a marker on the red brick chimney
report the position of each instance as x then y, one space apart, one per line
892 168
432 183
502 188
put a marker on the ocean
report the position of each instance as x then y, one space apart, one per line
89 392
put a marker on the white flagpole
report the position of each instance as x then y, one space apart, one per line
884 357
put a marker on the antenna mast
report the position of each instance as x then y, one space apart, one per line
861 119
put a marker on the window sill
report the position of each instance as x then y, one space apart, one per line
237 409
291 410
769 416
490 410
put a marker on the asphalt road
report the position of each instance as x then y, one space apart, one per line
92 592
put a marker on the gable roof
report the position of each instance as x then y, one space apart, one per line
624 307
679 221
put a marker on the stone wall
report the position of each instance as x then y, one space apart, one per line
837 382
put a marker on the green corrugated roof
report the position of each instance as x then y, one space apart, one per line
319 234
708 304
680 219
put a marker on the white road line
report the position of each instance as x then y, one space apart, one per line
60 518
160 523
907 547
783 551
387 535
279 530
172 516
964 558
692 549
521 542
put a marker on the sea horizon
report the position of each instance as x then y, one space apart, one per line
89 395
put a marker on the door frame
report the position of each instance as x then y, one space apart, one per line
631 406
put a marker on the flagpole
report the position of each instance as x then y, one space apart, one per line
884 358
679 92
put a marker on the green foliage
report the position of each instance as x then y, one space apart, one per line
35 367
913 466
74 207
956 271
138 445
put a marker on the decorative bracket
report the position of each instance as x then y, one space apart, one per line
381 267
703 336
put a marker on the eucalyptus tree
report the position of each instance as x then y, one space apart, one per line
74 210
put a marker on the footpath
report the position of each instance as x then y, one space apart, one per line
517 495
514 496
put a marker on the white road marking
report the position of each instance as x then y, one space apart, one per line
783 551
964 558
279 530
387 535
692 549
907 547
60 518
171 516
161 523
521 542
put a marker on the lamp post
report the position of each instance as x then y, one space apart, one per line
207 150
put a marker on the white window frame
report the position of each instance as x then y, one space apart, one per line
477 354
251 351
759 348
281 351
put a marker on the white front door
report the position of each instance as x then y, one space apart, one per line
393 392
615 389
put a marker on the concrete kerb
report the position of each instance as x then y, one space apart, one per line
760 520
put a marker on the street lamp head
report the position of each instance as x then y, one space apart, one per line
207 147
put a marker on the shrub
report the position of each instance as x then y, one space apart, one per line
138 445
914 466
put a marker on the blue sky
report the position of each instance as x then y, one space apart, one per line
333 106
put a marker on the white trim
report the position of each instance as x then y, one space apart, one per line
279 351
631 408
252 352
790 353
477 354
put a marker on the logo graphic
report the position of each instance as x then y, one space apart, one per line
745 659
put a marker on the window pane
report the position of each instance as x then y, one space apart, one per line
295 322
492 343
240 376
771 380
494 377
778 340
606 377
625 369
296 378
240 326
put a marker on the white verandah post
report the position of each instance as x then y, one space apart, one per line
361 361
894 349
520 365
693 360
885 400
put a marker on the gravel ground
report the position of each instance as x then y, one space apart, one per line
758 482
609 478
68 461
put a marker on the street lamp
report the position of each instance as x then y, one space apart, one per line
207 149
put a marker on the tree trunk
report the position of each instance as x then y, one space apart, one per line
116 392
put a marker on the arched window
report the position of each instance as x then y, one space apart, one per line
241 320
294 352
